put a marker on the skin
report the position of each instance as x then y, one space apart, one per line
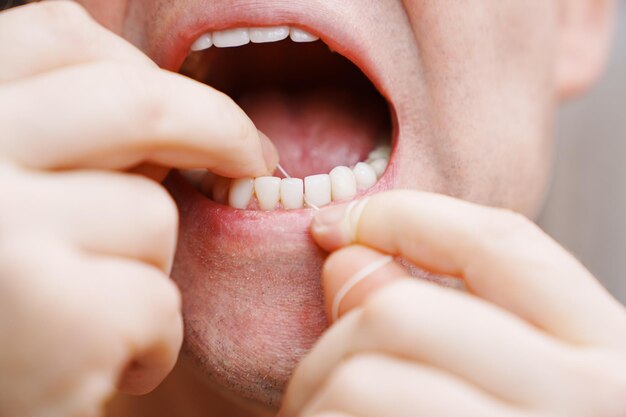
458 135
384 353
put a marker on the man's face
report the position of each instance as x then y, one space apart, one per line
471 93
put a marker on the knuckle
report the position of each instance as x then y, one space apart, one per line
165 301
171 298
17 188
610 401
14 254
244 130
382 309
506 222
140 92
330 414
150 108
239 130
599 368
351 378
235 121
66 20
148 292
158 213
19 249
333 262
61 9
26 264
505 225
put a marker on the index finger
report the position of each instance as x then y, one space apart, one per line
56 34
502 257
115 116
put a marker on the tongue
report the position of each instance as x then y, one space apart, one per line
316 131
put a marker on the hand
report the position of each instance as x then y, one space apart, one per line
536 334
86 248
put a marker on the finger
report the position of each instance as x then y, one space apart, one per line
103 312
371 385
100 212
352 274
501 256
448 330
129 115
144 304
52 34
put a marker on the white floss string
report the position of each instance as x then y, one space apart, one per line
356 278
313 206
282 171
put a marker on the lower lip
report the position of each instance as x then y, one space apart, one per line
250 281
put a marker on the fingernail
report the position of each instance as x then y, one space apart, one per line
336 226
270 153
330 228
330 217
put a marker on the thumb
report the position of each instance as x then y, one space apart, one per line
351 274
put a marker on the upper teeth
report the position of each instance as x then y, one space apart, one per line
342 183
267 191
317 190
241 36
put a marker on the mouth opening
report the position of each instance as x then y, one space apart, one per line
320 110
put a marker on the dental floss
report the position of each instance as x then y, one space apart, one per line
356 278
354 216
313 206
282 171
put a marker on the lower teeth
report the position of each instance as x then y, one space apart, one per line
271 193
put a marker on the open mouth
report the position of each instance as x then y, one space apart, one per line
332 127
246 263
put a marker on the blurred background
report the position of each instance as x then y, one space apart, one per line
586 209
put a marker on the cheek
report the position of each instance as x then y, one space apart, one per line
488 72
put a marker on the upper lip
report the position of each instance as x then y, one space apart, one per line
170 41
169 44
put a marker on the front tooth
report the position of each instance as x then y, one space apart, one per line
365 176
203 42
271 34
317 190
267 191
300 35
231 37
382 151
241 191
379 165
292 193
343 183
220 190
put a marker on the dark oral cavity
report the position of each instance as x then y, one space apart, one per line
315 131
319 109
